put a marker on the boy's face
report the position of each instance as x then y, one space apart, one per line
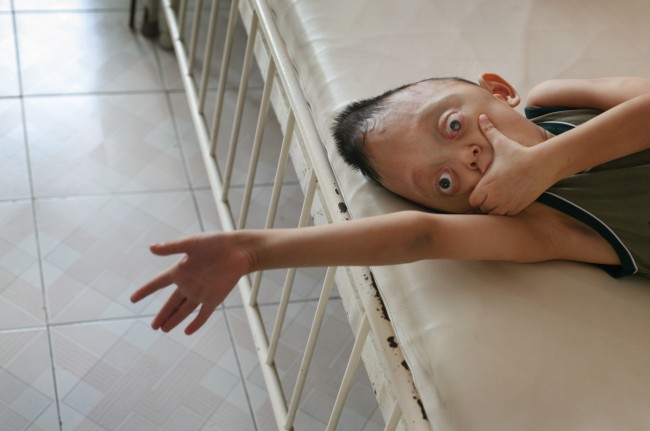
428 147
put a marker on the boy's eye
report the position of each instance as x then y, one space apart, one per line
453 125
445 183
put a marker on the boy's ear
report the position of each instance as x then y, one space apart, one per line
500 88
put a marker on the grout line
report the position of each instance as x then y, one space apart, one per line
95 195
66 11
108 93
191 188
243 380
89 322
23 329
45 327
96 93
39 253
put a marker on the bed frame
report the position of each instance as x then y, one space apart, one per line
375 340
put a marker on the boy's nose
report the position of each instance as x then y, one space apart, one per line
470 157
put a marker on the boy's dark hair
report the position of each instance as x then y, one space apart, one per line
354 122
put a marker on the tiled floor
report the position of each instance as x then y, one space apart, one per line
98 160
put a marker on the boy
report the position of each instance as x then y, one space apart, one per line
439 143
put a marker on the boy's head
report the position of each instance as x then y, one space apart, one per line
422 141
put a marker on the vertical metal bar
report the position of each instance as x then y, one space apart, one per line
288 282
195 36
275 194
207 55
280 171
353 363
181 19
311 344
393 419
132 14
239 109
257 144
225 66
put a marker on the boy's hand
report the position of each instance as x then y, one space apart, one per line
210 269
513 180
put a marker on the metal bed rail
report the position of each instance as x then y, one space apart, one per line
321 198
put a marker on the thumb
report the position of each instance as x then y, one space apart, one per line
182 245
478 195
488 129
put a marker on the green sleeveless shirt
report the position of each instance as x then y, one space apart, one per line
612 198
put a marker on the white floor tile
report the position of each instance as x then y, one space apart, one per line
102 144
123 375
21 294
8 62
27 398
14 181
95 251
83 52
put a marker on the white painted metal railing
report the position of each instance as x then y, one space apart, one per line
320 190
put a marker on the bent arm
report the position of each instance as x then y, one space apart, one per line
596 93
620 131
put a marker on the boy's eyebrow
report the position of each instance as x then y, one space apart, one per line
436 109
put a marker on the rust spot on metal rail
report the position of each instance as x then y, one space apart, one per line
424 413
380 300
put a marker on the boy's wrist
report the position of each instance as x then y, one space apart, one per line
549 163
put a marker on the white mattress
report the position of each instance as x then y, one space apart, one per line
491 345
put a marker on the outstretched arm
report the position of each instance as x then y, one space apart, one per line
213 263
523 174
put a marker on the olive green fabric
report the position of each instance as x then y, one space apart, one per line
613 198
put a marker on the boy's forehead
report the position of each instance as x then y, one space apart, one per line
414 101
425 95
426 89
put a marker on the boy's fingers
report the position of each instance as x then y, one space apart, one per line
163 279
204 314
172 304
477 197
179 314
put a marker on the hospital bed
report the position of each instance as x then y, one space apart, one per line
446 344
